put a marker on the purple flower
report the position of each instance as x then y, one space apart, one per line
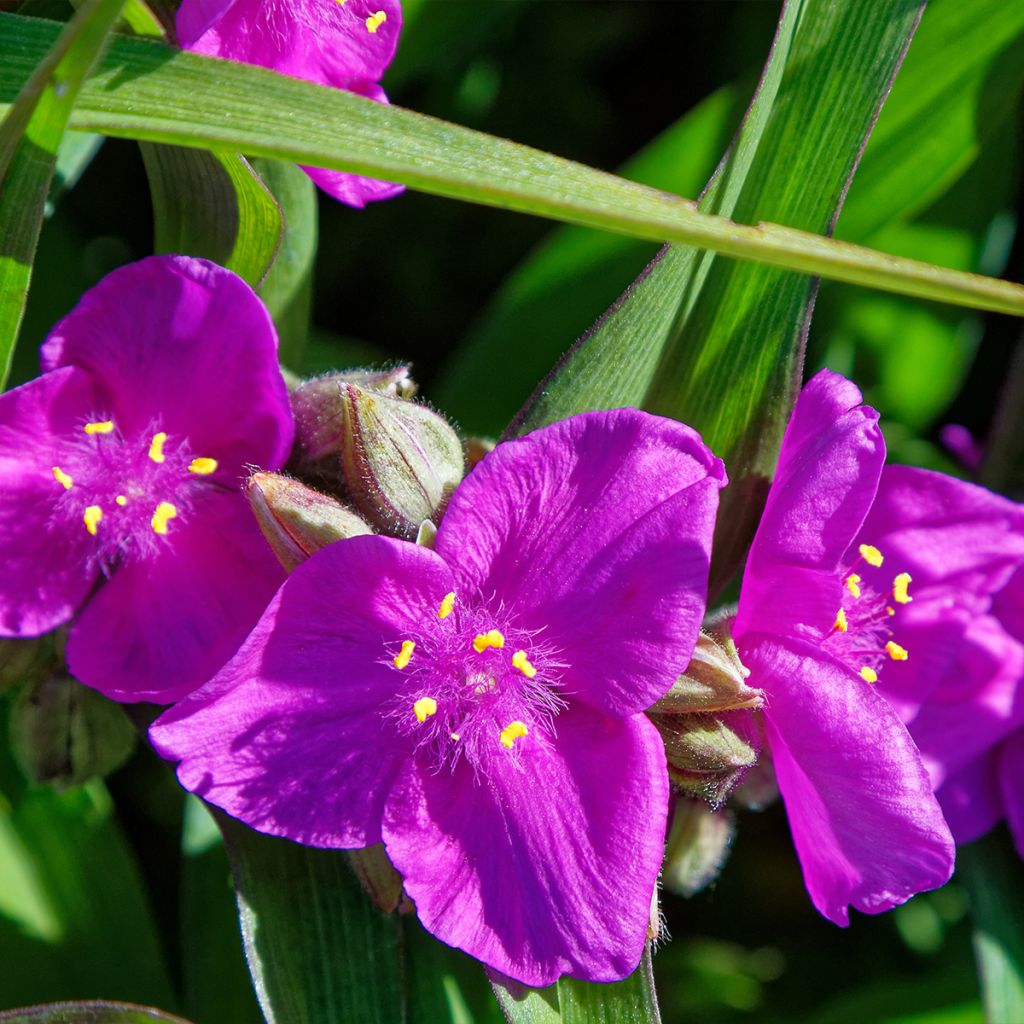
961 688
813 627
478 706
122 464
346 44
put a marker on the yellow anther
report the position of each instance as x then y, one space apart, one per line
841 624
455 736
164 513
853 584
100 427
156 447
869 675
899 588
62 478
512 732
871 555
403 657
492 638
121 500
447 604
204 467
889 610
424 707
375 20
896 652
91 517
521 662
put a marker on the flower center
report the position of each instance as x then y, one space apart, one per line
474 685
861 636
128 492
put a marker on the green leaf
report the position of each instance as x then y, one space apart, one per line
994 877
288 287
29 139
214 205
318 951
631 1001
88 1013
147 91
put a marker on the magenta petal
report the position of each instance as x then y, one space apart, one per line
548 867
942 530
828 470
195 328
1011 776
47 570
196 17
291 736
597 531
1008 606
160 627
970 799
866 826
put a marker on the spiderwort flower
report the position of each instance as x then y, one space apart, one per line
961 687
814 629
345 44
122 464
478 706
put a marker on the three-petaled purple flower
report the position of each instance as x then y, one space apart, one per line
478 706
346 44
961 687
121 467
816 627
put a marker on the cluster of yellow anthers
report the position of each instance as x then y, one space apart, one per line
899 594
373 21
165 511
494 639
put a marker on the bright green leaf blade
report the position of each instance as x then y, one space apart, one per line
553 296
29 139
994 877
961 82
214 205
88 1013
522 1005
318 951
148 92
288 287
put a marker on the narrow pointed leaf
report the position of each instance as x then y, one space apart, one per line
30 136
146 91
91 1012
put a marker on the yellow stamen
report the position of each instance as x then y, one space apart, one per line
203 466
896 652
447 604
869 675
512 732
121 500
899 588
841 624
853 584
889 610
492 638
62 478
92 516
403 657
424 708
100 427
375 20
871 555
156 447
455 736
521 662
164 513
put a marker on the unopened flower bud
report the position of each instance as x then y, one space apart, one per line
698 844
296 520
319 407
707 754
400 461
64 733
715 680
378 877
